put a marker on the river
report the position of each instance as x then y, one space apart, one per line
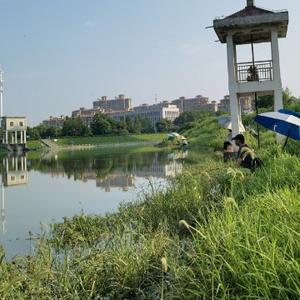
38 189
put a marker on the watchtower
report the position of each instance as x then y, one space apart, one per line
250 26
14 133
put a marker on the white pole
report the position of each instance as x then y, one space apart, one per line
3 209
1 93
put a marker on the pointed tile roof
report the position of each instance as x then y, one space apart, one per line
250 11
254 21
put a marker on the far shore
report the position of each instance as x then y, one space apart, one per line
82 143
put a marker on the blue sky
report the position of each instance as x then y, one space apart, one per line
59 55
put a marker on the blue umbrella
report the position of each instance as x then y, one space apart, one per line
289 112
282 122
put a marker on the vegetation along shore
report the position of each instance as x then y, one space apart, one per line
216 232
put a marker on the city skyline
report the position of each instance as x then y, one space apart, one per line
58 56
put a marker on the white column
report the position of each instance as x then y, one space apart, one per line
3 210
234 105
16 137
6 137
25 139
21 137
25 163
278 102
12 137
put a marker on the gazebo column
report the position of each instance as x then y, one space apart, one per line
278 99
16 137
232 85
278 103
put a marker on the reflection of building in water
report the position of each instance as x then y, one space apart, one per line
116 180
123 176
158 169
14 173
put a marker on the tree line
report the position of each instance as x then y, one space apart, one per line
101 124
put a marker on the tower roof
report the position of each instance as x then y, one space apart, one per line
257 22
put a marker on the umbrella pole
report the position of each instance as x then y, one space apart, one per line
286 141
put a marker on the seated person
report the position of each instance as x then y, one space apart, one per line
228 152
245 154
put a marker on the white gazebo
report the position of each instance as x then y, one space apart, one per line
250 26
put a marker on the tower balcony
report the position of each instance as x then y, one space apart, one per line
258 71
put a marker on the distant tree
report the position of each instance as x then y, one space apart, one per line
137 125
290 101
122 127
129 124
33 133
74 127
147 126
53 131
190 116
101 125
266 102
164 125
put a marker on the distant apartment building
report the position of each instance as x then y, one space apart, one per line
54 121
197 103
224 104
245 102
120 103
86 115
154 113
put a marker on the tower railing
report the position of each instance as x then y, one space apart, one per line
259 71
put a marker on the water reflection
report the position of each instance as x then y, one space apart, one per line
113 170
14 173
36 190
14 170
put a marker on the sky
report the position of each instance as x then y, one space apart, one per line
59 55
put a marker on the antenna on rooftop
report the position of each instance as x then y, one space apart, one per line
250 3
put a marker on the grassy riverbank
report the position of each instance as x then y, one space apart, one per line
217 232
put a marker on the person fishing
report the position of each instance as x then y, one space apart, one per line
246 157
228 152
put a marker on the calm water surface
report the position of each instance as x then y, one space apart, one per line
42 190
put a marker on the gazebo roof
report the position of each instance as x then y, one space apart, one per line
250 11
252 24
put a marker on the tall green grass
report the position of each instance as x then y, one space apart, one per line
216 232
